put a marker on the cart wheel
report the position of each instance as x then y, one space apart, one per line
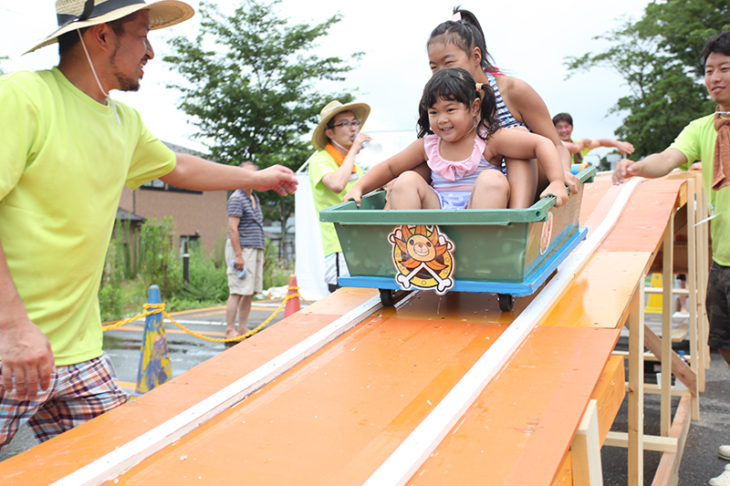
387 297
506 301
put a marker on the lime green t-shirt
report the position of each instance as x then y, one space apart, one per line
320 164
697 142
64 161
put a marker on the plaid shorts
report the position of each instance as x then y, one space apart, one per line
717 304
77 394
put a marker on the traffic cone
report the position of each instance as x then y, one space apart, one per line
292 297
154 361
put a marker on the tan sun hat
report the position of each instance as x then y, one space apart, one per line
360 110
73 14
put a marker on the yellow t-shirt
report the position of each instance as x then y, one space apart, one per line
64 161
320 164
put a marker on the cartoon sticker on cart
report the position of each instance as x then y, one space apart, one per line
547 234
423 258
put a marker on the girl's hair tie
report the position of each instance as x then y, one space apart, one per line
456 17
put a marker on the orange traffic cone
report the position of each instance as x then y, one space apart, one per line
292 297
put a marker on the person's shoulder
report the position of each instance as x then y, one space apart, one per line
703 121
698 127
320 156
515 87
27 80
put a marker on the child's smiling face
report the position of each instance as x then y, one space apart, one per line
452 120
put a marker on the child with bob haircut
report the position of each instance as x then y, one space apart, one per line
460 139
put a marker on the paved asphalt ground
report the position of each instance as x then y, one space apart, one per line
699 463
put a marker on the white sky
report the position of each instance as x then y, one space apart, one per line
528 39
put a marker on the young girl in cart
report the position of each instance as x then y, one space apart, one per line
460 139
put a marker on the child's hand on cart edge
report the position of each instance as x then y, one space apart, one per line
354 194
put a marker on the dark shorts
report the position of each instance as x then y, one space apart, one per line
718 306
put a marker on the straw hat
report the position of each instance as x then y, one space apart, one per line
360 110
71 15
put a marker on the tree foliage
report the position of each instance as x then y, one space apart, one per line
659 58
251 87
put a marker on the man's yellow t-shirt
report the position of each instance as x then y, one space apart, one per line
64 161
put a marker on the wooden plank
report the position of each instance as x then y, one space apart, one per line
609 394
636 390
518 434
565 473
416 448
586 450
667 473
680 369
651 442
665 410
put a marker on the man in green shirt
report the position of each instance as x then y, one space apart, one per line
706 139
332 171
68 150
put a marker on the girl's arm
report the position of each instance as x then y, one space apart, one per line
520 144
534 113
382 173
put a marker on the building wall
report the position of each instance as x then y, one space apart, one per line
202 214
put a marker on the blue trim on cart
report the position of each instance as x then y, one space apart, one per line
519 289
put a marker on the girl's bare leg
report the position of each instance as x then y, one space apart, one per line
411 191
491 191
522 175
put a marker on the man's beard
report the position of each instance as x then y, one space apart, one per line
124 82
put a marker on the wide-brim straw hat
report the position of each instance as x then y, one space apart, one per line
163 13
360 110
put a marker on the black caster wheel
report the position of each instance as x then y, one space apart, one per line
387 297
506 302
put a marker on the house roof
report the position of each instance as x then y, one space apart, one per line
124 215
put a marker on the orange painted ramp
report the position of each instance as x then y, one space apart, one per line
522 424
52 460
335 417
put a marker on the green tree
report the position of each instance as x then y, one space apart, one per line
251 87
659 58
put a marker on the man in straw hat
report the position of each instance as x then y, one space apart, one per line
332 171
67 151
706 139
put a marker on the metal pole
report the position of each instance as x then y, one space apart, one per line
186 263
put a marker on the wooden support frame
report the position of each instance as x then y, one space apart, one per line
673 432
586 449
635 436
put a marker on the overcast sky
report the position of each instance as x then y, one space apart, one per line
528 39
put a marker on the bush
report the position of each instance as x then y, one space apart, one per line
110 302
208 281
159 262
276 272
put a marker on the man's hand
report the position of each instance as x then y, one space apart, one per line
625 169
26 356
238 263
276 178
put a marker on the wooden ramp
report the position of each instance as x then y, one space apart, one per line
332 393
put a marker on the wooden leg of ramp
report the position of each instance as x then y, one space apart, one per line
586 450
636 389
